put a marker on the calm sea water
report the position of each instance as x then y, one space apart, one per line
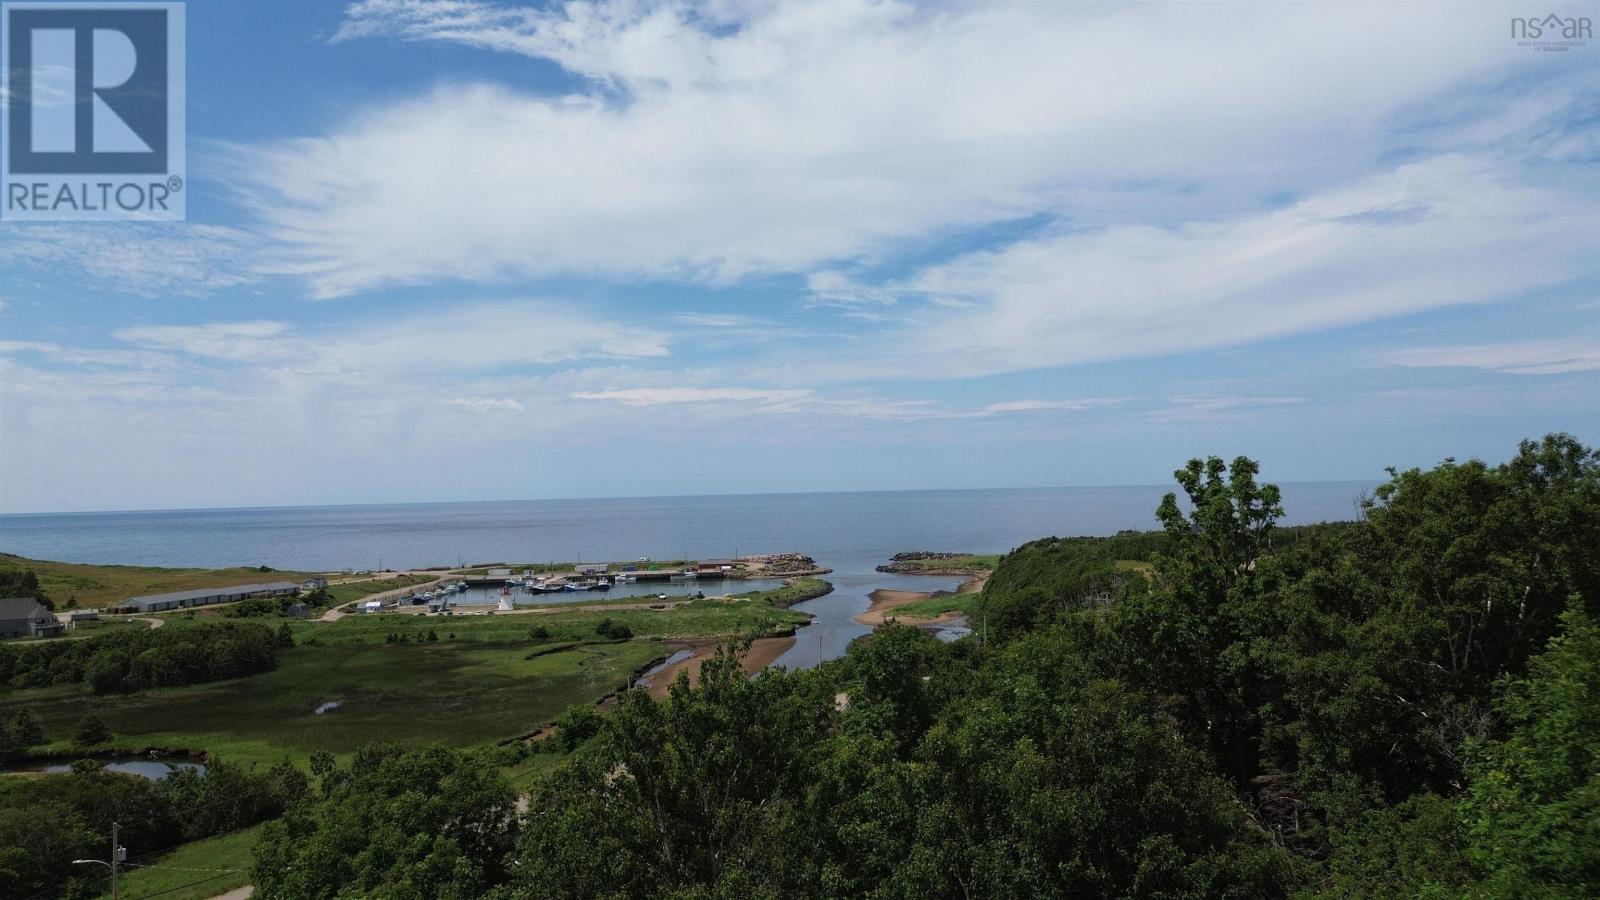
847 532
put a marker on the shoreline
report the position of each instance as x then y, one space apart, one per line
886 600
763 653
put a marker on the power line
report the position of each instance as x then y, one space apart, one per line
181 887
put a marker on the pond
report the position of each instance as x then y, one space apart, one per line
144 767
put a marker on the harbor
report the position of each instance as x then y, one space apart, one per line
505 588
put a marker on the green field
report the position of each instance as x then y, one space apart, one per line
98 586
457 692
193 871
938 605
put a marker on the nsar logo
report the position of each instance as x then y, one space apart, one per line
94 98
1552 33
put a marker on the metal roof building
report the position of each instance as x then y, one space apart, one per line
205 596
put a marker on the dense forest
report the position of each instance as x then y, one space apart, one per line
1400 706
127 661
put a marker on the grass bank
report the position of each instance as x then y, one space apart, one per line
193 871
938 605
797 591
92 586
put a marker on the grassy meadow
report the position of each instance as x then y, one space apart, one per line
457 692
91 586
193 871
938 605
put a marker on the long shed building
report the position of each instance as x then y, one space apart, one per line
150 603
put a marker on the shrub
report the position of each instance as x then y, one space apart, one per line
614 630
91 731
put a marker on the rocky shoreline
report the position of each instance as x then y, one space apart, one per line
916 562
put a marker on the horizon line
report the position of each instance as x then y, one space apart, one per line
570 499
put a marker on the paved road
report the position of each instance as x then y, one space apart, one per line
334 615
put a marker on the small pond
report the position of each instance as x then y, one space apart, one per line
144 767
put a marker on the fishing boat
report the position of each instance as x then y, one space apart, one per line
601 585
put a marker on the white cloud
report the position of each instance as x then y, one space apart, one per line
1215 402
1197 408
830 288
1041 405
719 142
673 395
143 259
239 341
488 404
1443 231
1551 357
714 320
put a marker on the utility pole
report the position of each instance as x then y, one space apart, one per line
118 854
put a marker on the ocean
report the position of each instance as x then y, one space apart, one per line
850 533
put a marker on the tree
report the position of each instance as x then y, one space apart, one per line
25 729
693 796
1532 807
285 636
577 724
397 823
1458 576
91 731
23 583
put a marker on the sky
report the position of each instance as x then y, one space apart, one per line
478 249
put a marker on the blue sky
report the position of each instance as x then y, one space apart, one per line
478 250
